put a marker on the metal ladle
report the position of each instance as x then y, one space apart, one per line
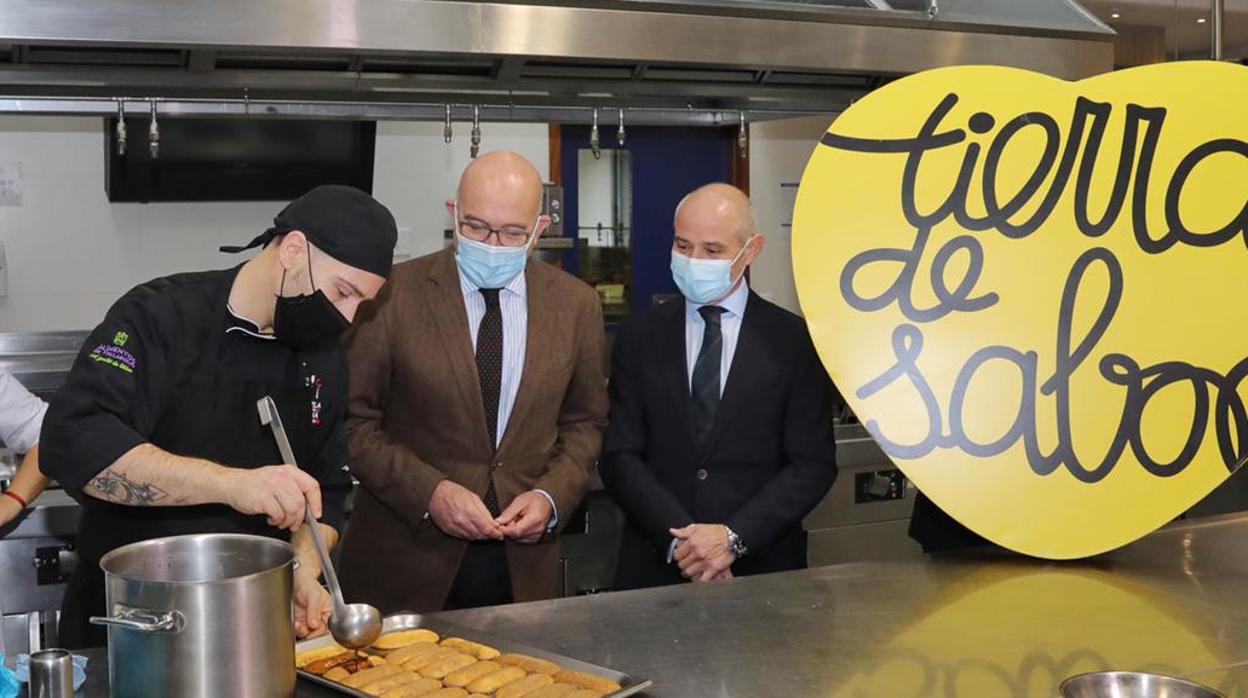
352 625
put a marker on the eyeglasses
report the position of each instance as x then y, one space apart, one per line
507 237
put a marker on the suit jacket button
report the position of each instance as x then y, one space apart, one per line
702 474
498 464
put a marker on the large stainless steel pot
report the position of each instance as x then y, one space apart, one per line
202 616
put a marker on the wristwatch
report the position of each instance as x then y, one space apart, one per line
735 544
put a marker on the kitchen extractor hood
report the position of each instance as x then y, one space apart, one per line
371 57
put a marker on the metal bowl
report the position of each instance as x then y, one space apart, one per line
1133 684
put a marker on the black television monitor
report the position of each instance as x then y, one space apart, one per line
236 159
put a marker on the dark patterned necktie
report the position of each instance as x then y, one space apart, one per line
706 378
490 371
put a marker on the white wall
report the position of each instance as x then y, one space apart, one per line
778 154
416 172
71 253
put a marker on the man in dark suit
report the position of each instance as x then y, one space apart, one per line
720 437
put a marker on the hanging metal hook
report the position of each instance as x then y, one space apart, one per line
476 131
594 143
121 128
447 131
619 133
153 134
743 134
1217 8
933 9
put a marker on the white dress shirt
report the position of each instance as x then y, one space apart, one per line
730 328
21 414
513 303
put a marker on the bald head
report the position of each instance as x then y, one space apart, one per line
501 188
717 222
722 206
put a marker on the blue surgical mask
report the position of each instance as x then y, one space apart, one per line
491 266
488 266
705 280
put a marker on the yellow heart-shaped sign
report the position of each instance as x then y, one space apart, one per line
1028 290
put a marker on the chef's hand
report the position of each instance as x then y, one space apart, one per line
277 491
459 512
312 606
703 551
525 520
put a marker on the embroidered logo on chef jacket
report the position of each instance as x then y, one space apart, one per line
1022 286
113 355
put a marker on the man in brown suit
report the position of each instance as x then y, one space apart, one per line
477 409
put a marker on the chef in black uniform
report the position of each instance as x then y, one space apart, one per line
156 432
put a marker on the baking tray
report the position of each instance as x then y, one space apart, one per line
630 685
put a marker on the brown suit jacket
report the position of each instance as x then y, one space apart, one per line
415 418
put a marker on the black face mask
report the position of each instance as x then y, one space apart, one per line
307 321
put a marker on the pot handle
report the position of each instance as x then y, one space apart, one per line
144 621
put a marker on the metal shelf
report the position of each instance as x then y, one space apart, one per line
560 243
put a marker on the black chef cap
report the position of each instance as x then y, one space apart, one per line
343 222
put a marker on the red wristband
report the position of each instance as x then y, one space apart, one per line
16 497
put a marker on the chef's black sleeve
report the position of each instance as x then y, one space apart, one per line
113 395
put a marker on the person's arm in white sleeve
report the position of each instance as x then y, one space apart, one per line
21 414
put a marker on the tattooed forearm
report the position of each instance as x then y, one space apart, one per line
116 487
147 476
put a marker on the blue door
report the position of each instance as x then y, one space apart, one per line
627 258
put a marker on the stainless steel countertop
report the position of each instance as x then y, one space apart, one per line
976 627
986 627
